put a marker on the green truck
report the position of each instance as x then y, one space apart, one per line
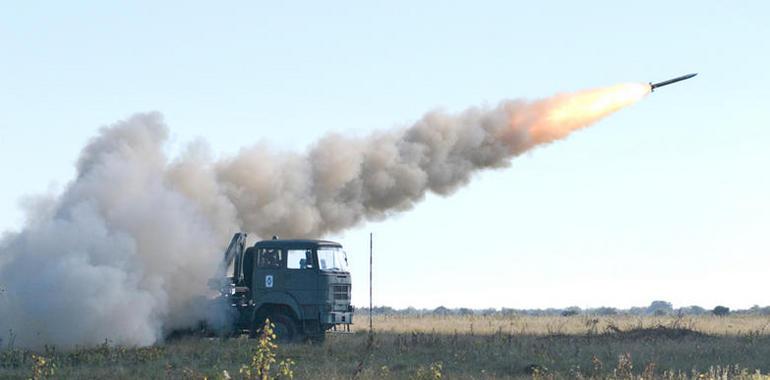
302 286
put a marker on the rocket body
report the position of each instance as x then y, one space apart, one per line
653 86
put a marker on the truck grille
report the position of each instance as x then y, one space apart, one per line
341 292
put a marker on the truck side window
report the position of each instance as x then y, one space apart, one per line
299 259
269 258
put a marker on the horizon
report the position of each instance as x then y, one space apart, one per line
675 308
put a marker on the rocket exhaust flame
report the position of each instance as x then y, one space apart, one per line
126 250
573 111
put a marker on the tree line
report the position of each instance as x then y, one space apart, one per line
656 308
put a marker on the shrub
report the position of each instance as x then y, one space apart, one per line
431 373
264 358
42 368
569 313
721 311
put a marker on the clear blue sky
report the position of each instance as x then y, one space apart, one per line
668 199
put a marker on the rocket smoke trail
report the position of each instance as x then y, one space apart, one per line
126 249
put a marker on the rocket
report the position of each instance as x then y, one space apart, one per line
653 86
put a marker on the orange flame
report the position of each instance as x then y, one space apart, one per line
559 115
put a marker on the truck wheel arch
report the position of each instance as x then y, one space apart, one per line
278 314
272 301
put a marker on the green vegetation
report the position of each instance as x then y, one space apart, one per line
452 347
264 358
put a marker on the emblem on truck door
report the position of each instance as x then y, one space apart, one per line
269 281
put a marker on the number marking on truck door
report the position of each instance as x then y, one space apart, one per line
269 281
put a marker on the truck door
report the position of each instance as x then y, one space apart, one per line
301 275
268 271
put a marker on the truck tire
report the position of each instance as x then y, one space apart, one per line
285 330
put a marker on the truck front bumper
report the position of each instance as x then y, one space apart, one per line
337 317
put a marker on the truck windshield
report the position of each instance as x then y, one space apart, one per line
332 259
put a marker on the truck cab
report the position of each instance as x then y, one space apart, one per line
303 286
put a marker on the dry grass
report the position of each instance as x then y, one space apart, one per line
574 325
455 347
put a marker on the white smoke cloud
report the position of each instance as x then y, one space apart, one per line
127 248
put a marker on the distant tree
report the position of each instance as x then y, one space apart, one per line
570 311
379 310
441 310
604 311
465 311
721 311
691 310
758 310
660 308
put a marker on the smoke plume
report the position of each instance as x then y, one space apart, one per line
124 252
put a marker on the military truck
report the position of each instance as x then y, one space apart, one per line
302 286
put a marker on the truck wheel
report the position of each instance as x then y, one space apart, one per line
285 329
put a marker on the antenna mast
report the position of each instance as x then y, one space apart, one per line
371 330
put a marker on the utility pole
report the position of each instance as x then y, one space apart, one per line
371 329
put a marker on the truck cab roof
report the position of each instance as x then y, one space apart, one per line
296 243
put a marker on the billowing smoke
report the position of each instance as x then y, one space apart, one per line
127 248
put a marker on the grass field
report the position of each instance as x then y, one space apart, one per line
452 347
